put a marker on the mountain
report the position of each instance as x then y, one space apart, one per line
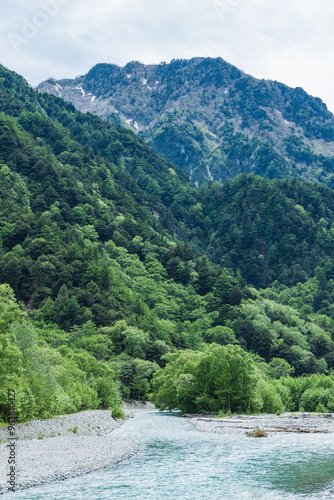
111 259
211 119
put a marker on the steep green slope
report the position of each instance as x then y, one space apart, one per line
210 118
104 245
59 191
269 230
39 382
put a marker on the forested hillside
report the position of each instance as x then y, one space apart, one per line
210 118
112 264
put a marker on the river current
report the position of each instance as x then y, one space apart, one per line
177 461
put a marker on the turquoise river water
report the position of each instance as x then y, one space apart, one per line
179 462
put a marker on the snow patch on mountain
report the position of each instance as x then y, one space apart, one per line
209 173
82 91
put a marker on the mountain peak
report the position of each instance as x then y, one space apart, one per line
212 119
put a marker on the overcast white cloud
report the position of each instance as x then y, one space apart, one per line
292 42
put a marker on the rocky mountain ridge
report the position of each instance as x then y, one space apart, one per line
210 118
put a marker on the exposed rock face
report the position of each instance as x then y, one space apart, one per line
210 118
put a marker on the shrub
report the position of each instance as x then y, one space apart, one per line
257 432
271 400
117 413
317 399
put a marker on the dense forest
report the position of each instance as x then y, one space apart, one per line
121 279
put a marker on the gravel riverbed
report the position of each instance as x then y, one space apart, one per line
285 423
63 447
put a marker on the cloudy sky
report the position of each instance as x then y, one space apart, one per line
284 40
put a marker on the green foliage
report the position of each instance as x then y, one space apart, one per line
276 331
45 382
225 379
135 376
318 399
219 378
268 397
117 413
119 264
10 313
135 341
222 335
313 393
280 368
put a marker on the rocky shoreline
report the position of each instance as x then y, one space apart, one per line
63 447
301 423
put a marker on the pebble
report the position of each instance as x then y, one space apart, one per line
63 452
302 422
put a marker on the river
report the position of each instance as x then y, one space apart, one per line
177 461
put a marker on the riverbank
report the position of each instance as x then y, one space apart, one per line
307 423
65 446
